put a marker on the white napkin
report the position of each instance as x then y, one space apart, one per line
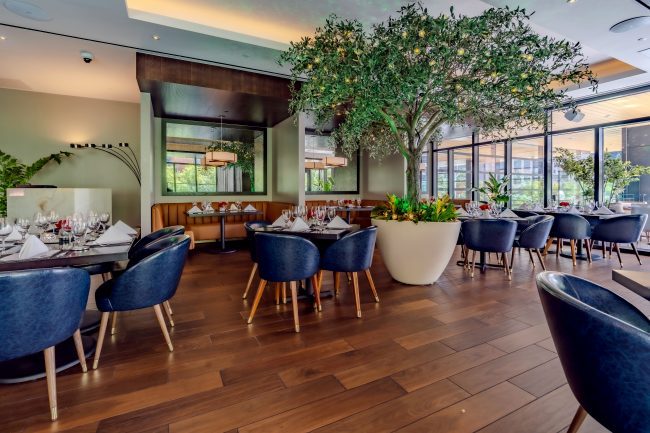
32 248
233 207
194 209
507 213
338 223
280 222
462 212
537 208
14 236
112 236
573 210
125 228
299 225
249 208
600 211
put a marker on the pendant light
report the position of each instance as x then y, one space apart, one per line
335 161
220 158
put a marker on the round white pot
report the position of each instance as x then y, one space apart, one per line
416 253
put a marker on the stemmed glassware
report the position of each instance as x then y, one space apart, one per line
93 223
104 218
331 213
5 230
320 213
79 228
495 209
286 215
52 219
23 225
40 221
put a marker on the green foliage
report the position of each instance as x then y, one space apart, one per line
319 184
245 155
394 86
401 209
619 174
14 173
496 189
580 169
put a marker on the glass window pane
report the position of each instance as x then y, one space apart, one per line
462 166
424 174
446 143
491 159
442 173
567 187
627 143
527 178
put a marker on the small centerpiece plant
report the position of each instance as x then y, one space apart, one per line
496 189
401 209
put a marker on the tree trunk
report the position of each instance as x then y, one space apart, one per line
413 178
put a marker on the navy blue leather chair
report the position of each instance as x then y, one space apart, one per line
281 259
490 236
625 229
572 227
604 346
135 250
40 309
250 227
525 213
146 283
534 237
352 253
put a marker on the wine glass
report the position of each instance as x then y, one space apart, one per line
358 201
40 221
286 215
331 213
79 228
5 230
104 218
93 223
23 225
320 213
52 219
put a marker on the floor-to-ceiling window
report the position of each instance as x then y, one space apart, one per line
527 176
567 187
442 173
491 159
462 173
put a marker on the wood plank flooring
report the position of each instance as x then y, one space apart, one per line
462 355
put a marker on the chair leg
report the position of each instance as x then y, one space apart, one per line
465 257
277 293
100 339
577 421
573 251
320 278
168 311
611 244
294 301
80 350
314 283
636 253
284 293
618 253
113 322
530 254
473 263
541 259
163 326
337 283
602 245
256 301
50 374
588 249
357 300
372 285
250 280
558 250
349 275
512 258
505 265
549 242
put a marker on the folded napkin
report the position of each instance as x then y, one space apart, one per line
14 236
338 223
194 209
233 207
112 236
280 222
600 211
249 208
537 208
461 212
299 225
573 210
32 248
125 228
507 213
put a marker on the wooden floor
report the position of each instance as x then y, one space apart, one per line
462 355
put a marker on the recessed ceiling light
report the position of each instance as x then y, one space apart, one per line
643 39
27 10
3 38
155 37
630 24
571 1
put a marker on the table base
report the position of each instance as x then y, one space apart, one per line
583 256
32 367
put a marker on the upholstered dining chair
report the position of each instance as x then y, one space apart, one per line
250 227
281 259
352 253
624 229
146 283
534 237
524 213
643 210
490 236
573 227
41 308
139 245
603 343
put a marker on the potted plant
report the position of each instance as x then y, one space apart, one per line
14 173
392 88
580 169
496 189
618 174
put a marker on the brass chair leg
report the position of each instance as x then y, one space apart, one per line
314 283
636 253
294 301
473 263
78 344
372 285
256 301
573 251
618 253
577 421
50 374
250 280
541 259
357 300
163 326
100 339
113 322
168 312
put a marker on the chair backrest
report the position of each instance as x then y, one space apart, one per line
536 234
154 247
250 227
604 346
570 226
621 229
494 236
351 253
163 232
642 209
285 257
152 280
525 213
40 308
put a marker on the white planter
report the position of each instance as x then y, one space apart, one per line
416 253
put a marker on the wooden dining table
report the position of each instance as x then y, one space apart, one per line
32 367
222 216
349 209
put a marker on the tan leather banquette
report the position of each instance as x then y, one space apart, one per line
209 228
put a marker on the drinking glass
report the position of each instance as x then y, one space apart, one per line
79 228
286 215
320 214
358 201
52 219
301 211
93 224
40 221
104 218
494 210
5 230
331 213
23 225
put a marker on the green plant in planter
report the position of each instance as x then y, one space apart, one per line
14 173
618 174
580 169
401 209
393 87
323 185
496 189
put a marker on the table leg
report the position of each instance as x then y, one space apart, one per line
222 243
347 215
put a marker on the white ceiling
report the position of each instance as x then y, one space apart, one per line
244 33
